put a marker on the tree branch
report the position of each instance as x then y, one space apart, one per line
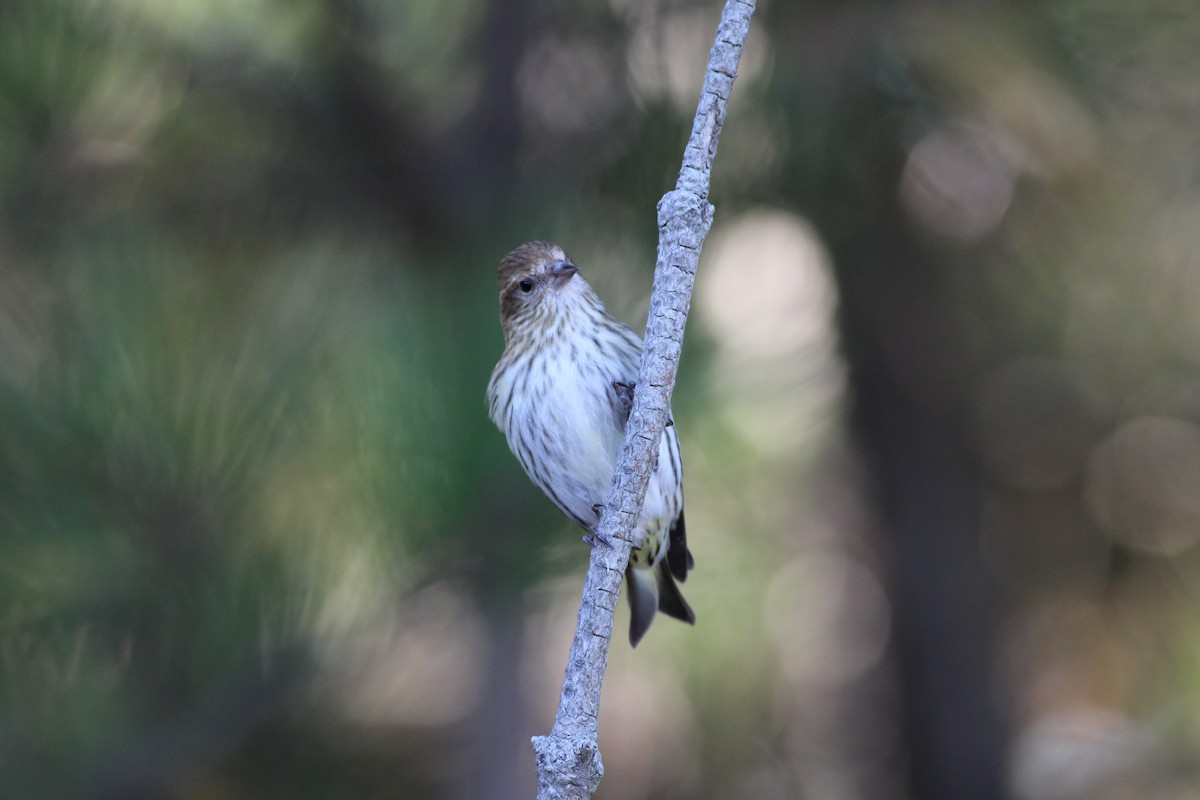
568 759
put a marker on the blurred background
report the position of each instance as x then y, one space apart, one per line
939 402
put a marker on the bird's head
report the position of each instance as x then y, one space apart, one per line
538 284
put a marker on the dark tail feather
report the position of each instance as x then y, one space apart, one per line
670 600
678 557
650 593
643 602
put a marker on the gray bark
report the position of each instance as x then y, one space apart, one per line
568 759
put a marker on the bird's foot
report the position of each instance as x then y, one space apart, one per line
592 539
625 397
624 394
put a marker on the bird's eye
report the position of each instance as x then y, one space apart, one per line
526 286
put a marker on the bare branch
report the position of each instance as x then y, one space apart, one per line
568 759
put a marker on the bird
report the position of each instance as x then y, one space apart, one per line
561 393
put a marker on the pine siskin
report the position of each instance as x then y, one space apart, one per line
562 392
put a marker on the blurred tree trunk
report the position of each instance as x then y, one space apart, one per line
912 383
498 766
910 387
910 395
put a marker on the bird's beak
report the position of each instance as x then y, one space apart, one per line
562 271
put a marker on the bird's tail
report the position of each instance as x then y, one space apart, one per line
650 591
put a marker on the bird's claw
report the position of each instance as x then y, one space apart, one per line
625 397
624 394
593 539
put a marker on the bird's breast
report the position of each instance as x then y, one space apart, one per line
575 401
